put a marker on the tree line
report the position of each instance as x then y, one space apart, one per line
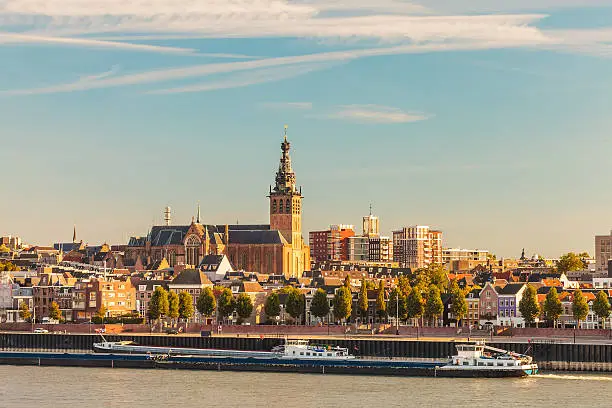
552 307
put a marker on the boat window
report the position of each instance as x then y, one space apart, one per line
490 364
329 354
480 363
307 354
301 353
294 353
466 363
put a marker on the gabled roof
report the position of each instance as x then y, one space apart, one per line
191 277
212 260
510 289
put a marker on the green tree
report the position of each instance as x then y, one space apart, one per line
343 303
433 306
158 305
528 305
580 307
244 306
437 275
601 307
553 308
206 303
319 306
24 312
414 305
54 311
570 262
226 304
272 306
185 305
101 314
381 305
173 305
458 306
362 303
294 304
404 285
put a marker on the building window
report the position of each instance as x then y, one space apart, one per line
288 207
274 206
280 206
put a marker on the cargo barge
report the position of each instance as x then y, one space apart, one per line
471 361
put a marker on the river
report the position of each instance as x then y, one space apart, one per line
26 387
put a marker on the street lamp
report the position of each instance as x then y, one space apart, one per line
397 313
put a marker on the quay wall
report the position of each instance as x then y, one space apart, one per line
550 355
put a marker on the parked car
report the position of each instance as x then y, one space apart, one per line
40 330
171 331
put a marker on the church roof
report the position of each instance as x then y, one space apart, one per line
256 237
168 234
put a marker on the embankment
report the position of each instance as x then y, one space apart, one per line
549 354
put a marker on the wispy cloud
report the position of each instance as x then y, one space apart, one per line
375 114
254 77
261 18
15 38
287 105
172 74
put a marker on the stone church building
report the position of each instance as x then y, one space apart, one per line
277 248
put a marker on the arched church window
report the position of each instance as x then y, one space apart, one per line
244 261
288 208
274 206
280 206
268 263
192 250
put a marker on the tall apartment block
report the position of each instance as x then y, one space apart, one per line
603 251
331 244
417 246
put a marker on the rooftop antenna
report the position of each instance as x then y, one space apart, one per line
286 127
370 208
198 220
168 215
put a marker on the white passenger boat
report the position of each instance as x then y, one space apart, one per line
476 359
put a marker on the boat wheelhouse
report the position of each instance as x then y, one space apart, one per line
477 356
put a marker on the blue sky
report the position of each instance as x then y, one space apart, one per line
487 120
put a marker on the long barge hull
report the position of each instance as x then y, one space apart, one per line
351 367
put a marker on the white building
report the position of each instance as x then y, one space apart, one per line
459 254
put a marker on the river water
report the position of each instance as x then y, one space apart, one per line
26 387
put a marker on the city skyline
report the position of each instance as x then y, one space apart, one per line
481 119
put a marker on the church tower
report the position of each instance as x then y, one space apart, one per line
286 201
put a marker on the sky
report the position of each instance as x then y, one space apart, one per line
487 119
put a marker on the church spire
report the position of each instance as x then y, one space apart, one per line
198 220
285 177
74 235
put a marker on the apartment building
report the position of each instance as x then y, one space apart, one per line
417 246
380 249
603 251
460 254
331 244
